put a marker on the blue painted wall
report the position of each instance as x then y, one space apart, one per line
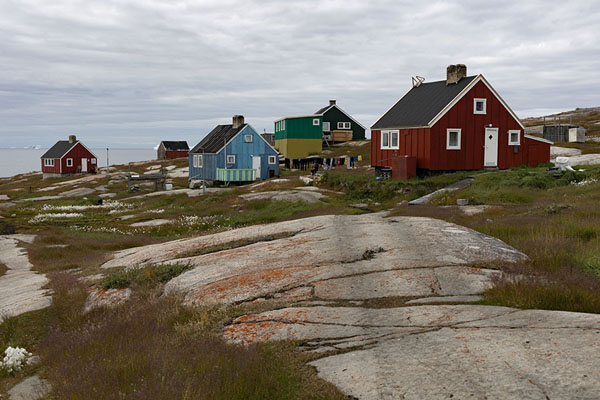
243 157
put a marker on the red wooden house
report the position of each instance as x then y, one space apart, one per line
68 157
170 150
460 123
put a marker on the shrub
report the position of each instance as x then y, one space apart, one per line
7 228
149 276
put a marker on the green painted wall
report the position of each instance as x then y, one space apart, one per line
299 128
334 115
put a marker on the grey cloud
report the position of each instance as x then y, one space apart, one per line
130 73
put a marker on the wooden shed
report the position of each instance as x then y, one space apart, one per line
233 153
460 123
170 150
68 157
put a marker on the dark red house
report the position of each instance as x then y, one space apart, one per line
169 150
68 157
460 123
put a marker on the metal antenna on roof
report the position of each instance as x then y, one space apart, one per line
417 80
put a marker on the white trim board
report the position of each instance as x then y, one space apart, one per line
479 78
72 147
451 104
538 139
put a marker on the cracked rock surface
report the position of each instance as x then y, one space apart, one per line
20 287
345 287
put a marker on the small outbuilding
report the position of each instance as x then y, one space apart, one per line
233 153
68 157
170 150
460 123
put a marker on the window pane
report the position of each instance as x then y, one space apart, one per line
514 137
394 139
385 142
453 139
479 106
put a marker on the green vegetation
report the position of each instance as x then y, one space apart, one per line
149 276
553 219
366 188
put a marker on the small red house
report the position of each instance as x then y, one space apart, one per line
68 157
460 123
169 150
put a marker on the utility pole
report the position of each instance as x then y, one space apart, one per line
107 163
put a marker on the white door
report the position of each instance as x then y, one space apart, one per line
256 165
490 158
84 165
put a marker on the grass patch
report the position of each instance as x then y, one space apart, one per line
574 291
150 276
366 188
138 351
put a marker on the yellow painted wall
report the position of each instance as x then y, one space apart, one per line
298 148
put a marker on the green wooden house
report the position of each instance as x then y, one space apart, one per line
338 125
300 137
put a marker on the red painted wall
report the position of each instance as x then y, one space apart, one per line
171 155
471 154
51 170
412 142
428 145
77 153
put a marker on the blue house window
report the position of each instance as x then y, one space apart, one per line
231 159
248 138
272 160
197 160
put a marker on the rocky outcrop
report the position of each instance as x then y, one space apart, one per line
20 287
353 290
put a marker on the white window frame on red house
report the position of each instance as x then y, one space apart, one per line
390 134
93 161
458 137
69 162
510 141
484 106
48 162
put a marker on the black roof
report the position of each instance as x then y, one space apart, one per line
322 110
216 139
175 146
61 148
269 138
421 104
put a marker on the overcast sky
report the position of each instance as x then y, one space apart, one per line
129 73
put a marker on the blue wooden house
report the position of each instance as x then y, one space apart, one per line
233 153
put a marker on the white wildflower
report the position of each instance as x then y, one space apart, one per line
585 182
15 359
45 217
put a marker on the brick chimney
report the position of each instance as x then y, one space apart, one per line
331 102
238 120
72 138
454 73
